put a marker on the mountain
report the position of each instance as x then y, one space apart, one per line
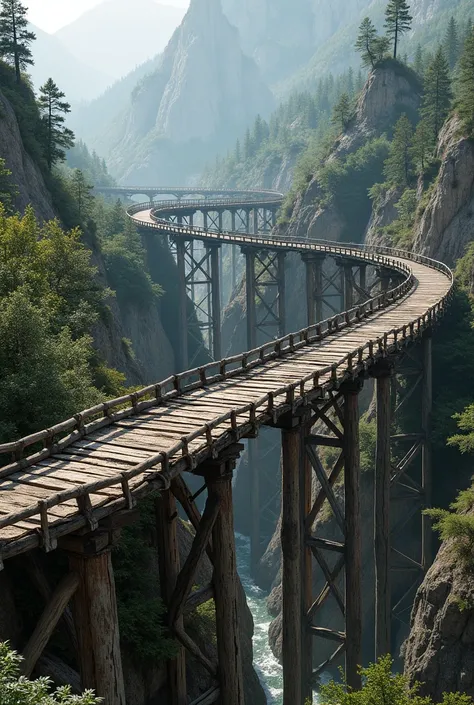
338 22
52 59
118 35
202 94
88 119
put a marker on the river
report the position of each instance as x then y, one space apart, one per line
266 665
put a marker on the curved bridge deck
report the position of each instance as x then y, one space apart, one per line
106 458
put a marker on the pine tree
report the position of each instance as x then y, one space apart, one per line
238 152
397 21
422 146
81 194
451 43
15 38
8 190
419 61
381 48
57 137
342 112
365 42
465 85
437 93
398 167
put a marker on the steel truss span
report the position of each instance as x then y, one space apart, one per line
72 485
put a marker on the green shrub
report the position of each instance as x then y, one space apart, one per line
382 687
18 690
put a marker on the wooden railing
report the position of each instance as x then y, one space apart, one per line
238 421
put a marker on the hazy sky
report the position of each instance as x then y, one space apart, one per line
50 15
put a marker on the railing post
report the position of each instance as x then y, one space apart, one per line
383 376
353 534
426 458
183 304
216 303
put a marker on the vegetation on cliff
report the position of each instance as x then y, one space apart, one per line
15 689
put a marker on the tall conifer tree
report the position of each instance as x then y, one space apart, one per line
366 42
15 38
398 167
465 84
53 108
437 93
451 43
397 21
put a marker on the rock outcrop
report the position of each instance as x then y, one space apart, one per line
439 652
203 93
447 225
26 174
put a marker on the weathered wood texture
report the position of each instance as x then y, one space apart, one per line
292 556
353 563
225 591
96 620
47 623
382 517
169 563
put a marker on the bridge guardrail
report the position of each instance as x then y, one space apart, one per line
62 435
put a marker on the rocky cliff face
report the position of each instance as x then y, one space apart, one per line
26 175
447 225
440 650
204 92
388 93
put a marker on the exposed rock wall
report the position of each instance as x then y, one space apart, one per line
440 650
26 175
447 225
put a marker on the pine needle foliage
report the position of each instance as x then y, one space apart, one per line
15 37
366 42
465 85
397 21
56 137
437 93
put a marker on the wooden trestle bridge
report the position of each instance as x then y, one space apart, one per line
71 486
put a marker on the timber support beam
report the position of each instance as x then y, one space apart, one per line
95 615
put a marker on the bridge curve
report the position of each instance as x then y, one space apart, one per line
118 450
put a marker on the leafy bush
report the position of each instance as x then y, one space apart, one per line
125 264
382 687
18 690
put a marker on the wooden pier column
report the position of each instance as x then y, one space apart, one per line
183 305
233 267
307 646
205 220
363 278
426 457
281 294
96 619
348 288
314 286
191 219
255 221
353 534
255 546
220 221
250 295
216 303
292 547
169 566
382 373
274 217
232 221
225 580
247 221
